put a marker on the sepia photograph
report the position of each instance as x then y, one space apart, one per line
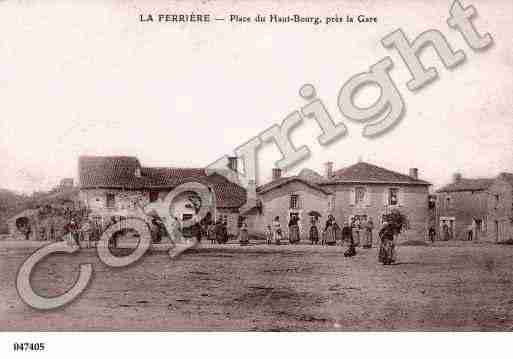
338 166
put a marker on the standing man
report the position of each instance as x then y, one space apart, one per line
470 232
432 234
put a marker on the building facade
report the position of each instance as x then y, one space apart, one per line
483 206
119 186
499 219
463 204
362 190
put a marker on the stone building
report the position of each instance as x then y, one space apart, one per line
464 203
362 190
117 185
110 186
499 218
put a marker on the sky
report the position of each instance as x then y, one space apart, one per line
91 79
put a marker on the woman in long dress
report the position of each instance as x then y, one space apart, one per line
368 227
243 234
294 229
329 231
445 232
347 233
356 232
278 235
220 231
387 246
314 231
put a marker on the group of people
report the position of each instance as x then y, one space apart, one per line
447 233
331 233
354 233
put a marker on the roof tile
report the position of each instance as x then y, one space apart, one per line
120 172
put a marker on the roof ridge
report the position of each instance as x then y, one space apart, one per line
173 168
354 174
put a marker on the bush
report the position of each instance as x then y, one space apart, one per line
397 220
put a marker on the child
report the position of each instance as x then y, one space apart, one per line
269 235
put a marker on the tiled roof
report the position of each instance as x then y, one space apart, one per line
363 172
285 180
120 172
467 184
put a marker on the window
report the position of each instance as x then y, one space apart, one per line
111 200
497 199
294 201
154 196
393 198
186 216
448 201
431 202
359 195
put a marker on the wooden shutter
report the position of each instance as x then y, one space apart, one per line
352 195
401 196
368 194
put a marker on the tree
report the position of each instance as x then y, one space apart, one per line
397 220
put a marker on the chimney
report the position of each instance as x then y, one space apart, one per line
414 173
456 177
328 169
232 163
276 173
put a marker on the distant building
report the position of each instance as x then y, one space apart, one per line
499 217
464 203
362 190
113 185
110 185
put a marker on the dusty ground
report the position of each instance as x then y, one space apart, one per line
444 287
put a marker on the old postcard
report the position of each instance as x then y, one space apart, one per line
222 166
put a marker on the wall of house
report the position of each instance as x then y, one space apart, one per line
232 218
412 201
464 206
125 201
277 203
500 213
125 204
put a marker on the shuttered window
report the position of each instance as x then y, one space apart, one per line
294 201
393 196
360 195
